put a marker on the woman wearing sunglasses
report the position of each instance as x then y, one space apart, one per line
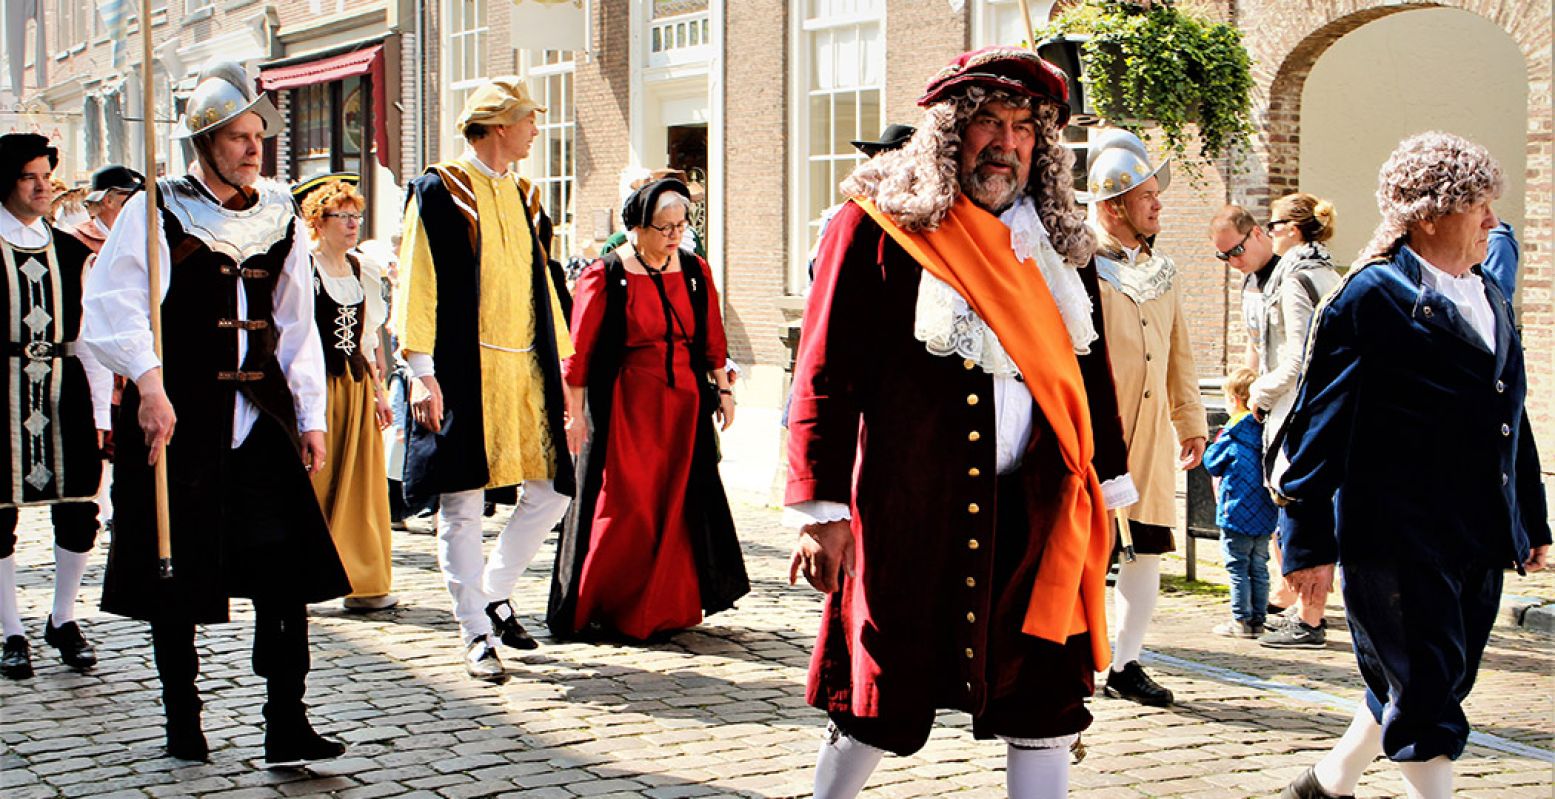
1299 226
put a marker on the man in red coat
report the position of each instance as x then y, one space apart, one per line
954 438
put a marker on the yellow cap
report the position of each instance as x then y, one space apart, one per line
499 101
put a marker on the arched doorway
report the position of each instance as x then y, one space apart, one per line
1429 69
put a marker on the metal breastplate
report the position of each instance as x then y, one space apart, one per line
1142 281
239 235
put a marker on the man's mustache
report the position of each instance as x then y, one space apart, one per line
990 155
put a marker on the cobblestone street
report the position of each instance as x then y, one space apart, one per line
717 711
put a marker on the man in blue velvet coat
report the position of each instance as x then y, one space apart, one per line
1413 465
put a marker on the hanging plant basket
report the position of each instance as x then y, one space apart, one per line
1158 70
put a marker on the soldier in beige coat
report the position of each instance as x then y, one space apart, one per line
1158 394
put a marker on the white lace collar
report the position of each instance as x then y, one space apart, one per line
947 325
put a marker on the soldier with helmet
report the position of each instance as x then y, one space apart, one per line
237 398
1157 384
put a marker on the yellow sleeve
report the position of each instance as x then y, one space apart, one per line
415 301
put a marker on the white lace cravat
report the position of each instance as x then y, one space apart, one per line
947 325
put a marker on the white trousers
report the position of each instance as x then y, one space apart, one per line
475 581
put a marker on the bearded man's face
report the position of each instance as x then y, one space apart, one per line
996 154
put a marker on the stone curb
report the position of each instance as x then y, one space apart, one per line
1527 613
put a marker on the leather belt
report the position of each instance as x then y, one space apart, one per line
245 273
239 376
242 324
40 350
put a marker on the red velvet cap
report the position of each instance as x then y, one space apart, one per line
1012 69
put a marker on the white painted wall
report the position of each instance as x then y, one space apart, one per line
1431 69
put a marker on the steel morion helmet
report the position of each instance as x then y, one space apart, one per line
1117 163
223 93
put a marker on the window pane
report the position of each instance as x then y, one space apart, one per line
845 124
869 121
820 187
820 123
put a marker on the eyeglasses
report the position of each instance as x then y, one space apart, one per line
1275 223
345 217
1240 248
671 229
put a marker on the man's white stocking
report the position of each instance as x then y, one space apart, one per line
1340 770
1139 583
844 765
10 616
1430 779
69 568
1037 773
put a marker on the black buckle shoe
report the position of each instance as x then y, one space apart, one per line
1306 786
16 659
482 663
295 743
1132 683
72 645
505 624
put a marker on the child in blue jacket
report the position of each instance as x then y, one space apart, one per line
1243 509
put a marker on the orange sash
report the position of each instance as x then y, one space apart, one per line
971 252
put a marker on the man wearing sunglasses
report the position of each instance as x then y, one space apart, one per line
1242 244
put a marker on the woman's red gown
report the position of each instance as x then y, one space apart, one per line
639 577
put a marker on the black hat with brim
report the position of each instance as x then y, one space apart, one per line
893 137
300 191
114 177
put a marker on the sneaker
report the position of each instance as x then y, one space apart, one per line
1295 636
482 663
1306 786
1288 618
367 604
1133 684
1238 629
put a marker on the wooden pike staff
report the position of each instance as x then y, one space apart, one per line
154 272
1126 534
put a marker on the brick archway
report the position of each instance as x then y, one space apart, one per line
1285 44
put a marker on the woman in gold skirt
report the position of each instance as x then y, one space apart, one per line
349 309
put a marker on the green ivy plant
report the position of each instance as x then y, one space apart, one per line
1166 66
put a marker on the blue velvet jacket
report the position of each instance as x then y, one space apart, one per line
1408 439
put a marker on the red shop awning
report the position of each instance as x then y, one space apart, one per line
363 60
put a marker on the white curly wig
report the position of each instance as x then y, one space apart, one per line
1430 175
917 184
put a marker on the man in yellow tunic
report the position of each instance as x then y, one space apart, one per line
483 331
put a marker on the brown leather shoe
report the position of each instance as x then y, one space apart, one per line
1306 786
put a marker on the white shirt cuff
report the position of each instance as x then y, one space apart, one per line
141 364
816 511
421 364
731 366
1119 492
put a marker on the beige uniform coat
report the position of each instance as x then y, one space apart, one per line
1158 392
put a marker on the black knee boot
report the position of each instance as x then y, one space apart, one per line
178 665
281 657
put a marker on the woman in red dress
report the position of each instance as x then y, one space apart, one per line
649 545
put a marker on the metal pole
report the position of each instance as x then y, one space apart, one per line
154 274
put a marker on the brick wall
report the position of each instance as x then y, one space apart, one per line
602 99
756 92
921 36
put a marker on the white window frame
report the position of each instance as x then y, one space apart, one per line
461 32
804 27
538 167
